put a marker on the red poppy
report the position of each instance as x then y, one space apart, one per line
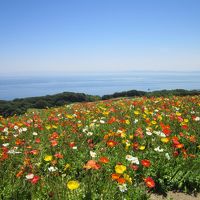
134 167
166 131
146 163
58 155
34 152
175 153
54 143
4 156
185 127
37 140
149 182
135 145
54 135
90 141
72 144
175 140
111 120
35 179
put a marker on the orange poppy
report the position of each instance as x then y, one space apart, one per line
179 146
92 164
121 180
111 143
103 160
115 176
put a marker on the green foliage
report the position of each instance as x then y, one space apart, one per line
164 93
20 106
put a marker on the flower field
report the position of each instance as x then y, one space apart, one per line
114 149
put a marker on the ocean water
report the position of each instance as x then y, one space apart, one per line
95 83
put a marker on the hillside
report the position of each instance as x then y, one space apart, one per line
21 105
113 149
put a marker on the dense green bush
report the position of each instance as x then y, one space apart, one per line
20 105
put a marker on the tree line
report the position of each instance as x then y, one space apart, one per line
21 105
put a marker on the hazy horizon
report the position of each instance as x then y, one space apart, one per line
95 83
89 72
100 36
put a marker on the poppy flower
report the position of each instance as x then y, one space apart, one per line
165 140
34 152
19 174
103 160
66 166
115 176
179 145
48 158
92 164
111 143
145 163
128 178
72 144
35 179
29 176
135 145
185 127
58 155
54 143
175 153
54 135
4 156
121 180
142 147
120 169
134 167
111 120
149 182
73 185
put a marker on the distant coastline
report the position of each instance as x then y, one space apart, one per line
95 83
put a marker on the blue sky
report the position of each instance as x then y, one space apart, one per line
51 36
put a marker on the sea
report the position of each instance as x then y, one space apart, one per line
12 86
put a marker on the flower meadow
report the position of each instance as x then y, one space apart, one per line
122 148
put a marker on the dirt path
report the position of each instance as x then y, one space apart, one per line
175 196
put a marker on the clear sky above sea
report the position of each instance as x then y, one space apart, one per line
52 36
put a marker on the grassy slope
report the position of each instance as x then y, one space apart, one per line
111 129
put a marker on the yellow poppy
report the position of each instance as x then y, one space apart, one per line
128 178
66 167
120 169
48 158
142 148
136 112
72 185
165 140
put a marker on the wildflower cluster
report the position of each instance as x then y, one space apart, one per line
102 150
